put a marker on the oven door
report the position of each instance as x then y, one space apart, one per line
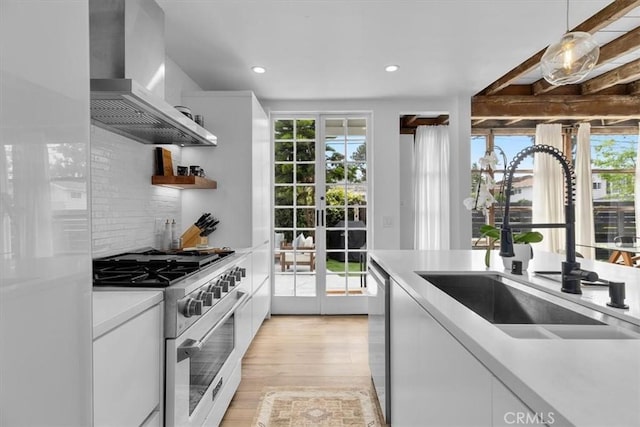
200 363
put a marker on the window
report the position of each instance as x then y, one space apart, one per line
506 148
613 159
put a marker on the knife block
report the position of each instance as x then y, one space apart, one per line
191 237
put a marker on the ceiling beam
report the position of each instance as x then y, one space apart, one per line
615 122
633 88
624 74
544 107
619 47
513 121
609 14
409 119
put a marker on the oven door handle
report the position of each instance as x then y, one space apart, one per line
191 347
188 349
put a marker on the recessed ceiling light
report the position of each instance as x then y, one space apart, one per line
258 70
391 68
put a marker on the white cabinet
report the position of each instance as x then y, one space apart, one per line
241 165
434 380
261 304
127 371
244 331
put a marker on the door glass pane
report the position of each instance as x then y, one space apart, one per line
305 129
283 196
295 209
305 219
283 129
346 200
283 173
283 217
306 151
305 195
283 151
306 173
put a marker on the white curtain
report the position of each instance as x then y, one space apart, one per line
585 234
431 187
637 192
548 188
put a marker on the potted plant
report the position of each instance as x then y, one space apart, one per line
521 245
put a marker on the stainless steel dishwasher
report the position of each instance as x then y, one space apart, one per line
378 318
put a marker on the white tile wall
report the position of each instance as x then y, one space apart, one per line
125 206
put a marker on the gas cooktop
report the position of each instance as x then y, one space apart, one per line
151 268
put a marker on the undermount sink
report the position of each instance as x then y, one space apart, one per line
519 313
500 303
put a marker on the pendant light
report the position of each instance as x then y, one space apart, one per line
571 59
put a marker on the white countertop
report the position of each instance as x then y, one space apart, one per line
586 382
111 309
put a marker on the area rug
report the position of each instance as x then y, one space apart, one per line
317 407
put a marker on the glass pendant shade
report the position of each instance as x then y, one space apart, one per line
570 60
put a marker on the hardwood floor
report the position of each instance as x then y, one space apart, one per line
300 351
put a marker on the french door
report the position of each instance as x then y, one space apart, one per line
320 213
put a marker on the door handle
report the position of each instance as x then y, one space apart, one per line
317 217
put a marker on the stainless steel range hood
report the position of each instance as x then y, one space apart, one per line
127 75
126 108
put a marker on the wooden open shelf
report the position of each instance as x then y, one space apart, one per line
183 182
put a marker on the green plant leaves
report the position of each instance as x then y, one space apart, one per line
527 237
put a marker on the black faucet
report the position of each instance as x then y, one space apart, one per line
572 274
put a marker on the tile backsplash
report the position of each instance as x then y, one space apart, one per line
127 211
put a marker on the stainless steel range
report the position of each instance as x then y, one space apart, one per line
202 293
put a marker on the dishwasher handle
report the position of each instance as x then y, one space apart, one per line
379 275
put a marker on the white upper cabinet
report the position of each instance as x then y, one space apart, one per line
240 164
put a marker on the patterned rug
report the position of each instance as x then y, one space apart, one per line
317 407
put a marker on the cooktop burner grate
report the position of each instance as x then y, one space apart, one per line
131 275
150 268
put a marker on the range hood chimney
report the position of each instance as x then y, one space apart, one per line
127 75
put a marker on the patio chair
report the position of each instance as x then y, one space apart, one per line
303 255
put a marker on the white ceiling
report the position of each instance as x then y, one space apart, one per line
337 49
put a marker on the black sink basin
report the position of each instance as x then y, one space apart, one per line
500 303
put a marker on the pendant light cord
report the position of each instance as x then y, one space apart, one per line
567 16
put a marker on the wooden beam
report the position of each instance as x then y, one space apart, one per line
442 119
557 107
623 74
633 88
609 14
512 122
409 120
615 122
541 86
619 47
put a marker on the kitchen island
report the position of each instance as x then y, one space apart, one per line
446 360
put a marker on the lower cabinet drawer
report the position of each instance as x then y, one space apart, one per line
127 372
